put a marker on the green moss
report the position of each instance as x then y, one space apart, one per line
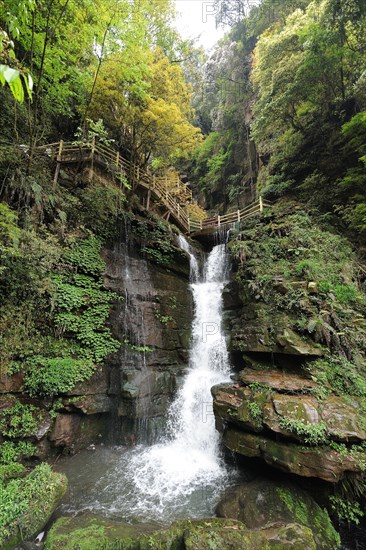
27 504
86 532
297 508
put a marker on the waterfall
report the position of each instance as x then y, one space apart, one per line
194 269
188 458
183 475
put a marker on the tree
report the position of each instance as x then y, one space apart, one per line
146 104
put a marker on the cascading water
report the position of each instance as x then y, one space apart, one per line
189 459
194 268
183 475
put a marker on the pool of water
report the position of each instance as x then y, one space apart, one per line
105 481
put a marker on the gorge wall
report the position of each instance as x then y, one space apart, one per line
295 312
126 398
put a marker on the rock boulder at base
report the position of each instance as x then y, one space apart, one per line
32 505
264 504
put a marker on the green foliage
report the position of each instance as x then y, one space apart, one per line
51 376
81 305
141 349
255 412
312 434
11 452
346 294
19 420
338 375
164 319
345 510
84 254
19 496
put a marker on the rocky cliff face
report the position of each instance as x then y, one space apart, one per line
153 322
126 399
296 318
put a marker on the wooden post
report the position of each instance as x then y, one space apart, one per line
117 158
92 159
201 225
260 204
148 200
238 215
178 210
218 221
58 165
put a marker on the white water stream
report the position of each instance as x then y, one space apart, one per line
183 475
189 458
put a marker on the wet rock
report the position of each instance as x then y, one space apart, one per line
89 404
65 430
11 384
278 380
343 419
321 462
97 384
233 404
292 343
153 323
230 296
264 504
43 426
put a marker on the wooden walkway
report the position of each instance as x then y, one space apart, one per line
175 198
237 216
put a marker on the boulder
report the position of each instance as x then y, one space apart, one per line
227 534
97 384
11 384
39 495
337 418
89 404
264 504
344 419
65 430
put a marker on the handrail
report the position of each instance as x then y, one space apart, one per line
255 207
157 185
105 155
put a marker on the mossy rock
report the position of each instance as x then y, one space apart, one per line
291 537
37 497
264 504
87 531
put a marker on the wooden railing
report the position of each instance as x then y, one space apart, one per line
156 186
255 207
112 160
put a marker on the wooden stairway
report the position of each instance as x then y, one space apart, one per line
174 200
